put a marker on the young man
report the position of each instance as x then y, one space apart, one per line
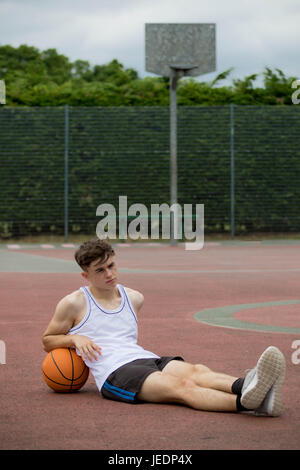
100 321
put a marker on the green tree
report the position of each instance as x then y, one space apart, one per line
47 78
277 86
57 65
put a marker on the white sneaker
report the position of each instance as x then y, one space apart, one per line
258 382
272 405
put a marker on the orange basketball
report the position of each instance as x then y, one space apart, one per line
64 371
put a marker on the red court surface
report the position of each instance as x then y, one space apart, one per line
263 279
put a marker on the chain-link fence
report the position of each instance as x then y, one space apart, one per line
58 164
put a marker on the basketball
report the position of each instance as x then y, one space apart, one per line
64 371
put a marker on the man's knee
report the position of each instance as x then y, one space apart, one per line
160 387
184 385
199 369
176 387
173 389
202 368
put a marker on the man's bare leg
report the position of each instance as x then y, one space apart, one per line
161 387
199 387
201 375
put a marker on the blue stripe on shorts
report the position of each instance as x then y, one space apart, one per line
119 391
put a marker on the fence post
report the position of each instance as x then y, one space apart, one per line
232 180
66 215
173 155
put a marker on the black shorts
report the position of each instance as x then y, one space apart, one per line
124 383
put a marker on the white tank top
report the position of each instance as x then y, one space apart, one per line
115 331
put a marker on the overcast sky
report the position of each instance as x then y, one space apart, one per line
251 34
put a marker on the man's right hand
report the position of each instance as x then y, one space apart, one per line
86 347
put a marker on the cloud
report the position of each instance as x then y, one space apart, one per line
250 34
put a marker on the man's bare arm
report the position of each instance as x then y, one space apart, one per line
136 299
56 334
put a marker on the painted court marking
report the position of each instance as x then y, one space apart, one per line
16 261
223 316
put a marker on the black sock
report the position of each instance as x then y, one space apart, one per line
237 386
239 406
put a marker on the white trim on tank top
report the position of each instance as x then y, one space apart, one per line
89 297
116 310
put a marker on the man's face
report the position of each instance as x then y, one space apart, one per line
102 275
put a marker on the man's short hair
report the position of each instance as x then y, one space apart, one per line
92 250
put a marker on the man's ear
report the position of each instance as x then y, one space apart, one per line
84 274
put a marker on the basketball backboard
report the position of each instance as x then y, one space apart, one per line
189 47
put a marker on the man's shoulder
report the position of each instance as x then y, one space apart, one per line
136 298
133 292
72 301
